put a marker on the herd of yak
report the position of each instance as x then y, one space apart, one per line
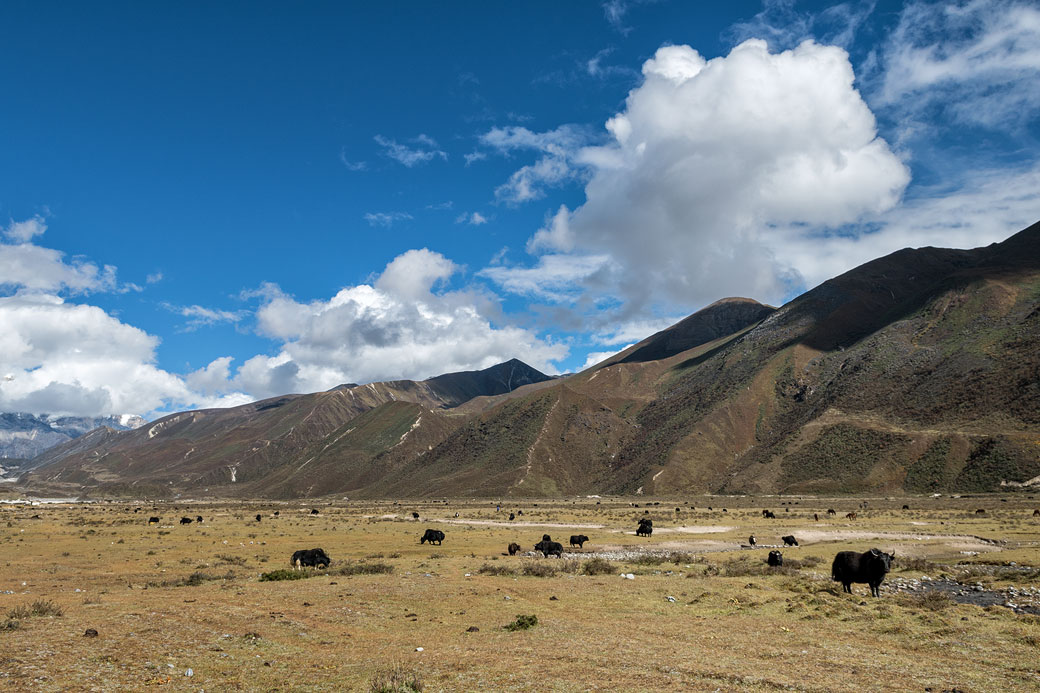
869 567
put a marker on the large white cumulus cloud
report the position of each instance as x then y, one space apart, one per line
399 326
62 358
710 157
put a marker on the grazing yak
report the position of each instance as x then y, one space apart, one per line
646 527
185 520
751 540
512 516
548 547
199 519
514 549
578 540
258 517
869 567
310 558
831 511
789 540
775 559
850 516
314 511
432 536
415 516
980 511
1036 513
815 517
906 507
153 520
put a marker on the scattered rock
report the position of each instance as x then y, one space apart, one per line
472 629
418 649
553 598
90 633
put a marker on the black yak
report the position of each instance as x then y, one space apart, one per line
578 540
869 567
185 520
432 536
549 547
310 558
775 559
514 549
751 540
153 520
646 527
789 540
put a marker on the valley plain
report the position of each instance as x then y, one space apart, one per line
701 612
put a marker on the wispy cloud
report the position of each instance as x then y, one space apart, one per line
410 156
351 165
24 231
559 149
978 63
473 219
200 316
386 219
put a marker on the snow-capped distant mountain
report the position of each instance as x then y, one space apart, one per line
24 436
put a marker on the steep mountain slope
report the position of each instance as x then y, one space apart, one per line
862 383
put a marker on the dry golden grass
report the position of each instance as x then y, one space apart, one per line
190 596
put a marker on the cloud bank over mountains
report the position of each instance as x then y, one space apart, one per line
757 173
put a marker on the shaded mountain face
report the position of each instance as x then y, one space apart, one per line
916 372
457 388
720 319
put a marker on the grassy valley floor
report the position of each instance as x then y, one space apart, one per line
702 611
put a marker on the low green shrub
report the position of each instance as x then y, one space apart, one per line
522 622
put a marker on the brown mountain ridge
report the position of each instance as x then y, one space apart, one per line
916 372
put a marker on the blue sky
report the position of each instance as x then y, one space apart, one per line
202 205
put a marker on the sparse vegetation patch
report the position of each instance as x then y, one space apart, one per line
522 622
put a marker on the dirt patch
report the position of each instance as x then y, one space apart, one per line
956 541
514 523
694 529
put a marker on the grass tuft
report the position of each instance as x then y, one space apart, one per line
489 569
40 607
932 600
396 680
538 569
284 574
522 622
363 569
597 566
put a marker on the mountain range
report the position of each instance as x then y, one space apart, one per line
24 436
916 372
